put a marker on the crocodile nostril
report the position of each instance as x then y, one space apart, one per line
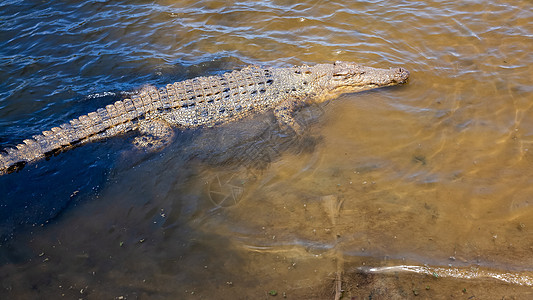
403 74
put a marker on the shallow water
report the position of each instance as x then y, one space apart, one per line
430 180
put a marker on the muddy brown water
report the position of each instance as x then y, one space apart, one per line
423 190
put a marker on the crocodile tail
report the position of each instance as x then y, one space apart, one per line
77 131
31 149
48 142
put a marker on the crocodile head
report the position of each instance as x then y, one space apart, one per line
347 77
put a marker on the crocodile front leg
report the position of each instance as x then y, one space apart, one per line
155 134
284 114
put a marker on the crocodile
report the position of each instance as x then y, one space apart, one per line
205 102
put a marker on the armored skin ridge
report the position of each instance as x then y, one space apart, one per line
205 101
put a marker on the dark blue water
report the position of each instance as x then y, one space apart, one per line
61 60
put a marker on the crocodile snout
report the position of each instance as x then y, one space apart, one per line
402 75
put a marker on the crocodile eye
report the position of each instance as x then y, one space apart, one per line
341 73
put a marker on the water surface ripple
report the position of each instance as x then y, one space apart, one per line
431 180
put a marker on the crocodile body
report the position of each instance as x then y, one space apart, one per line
205 101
